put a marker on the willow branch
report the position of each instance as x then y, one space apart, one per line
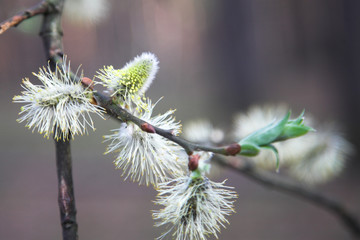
66 198
51 34
40 8
333 207
330 205
52 41
51 31
122 115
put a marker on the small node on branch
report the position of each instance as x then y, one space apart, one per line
55 53
17 19
87 82
233 149
146 127
193 162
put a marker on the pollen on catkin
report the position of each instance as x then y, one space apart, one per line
144 157
193 207
133 79
60 105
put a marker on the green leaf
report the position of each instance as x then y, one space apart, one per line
248 149
266 135
276 131
276 152
294 128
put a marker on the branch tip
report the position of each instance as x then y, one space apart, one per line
14 21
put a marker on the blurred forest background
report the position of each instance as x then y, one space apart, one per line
217 58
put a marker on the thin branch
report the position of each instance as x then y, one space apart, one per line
343 215
51 34
51 31
66 198
330 205
122 115
40 8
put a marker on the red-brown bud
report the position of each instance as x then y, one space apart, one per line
88 82
233 149
193 162
146 127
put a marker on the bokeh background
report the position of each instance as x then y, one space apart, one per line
216 58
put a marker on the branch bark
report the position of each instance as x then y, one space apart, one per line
40 8
330 205
66 198
51 34
122 115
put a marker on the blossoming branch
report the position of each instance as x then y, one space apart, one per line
194 205
149 150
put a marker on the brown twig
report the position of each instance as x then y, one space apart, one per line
51 34
66 198
330 205
122 115
40 8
